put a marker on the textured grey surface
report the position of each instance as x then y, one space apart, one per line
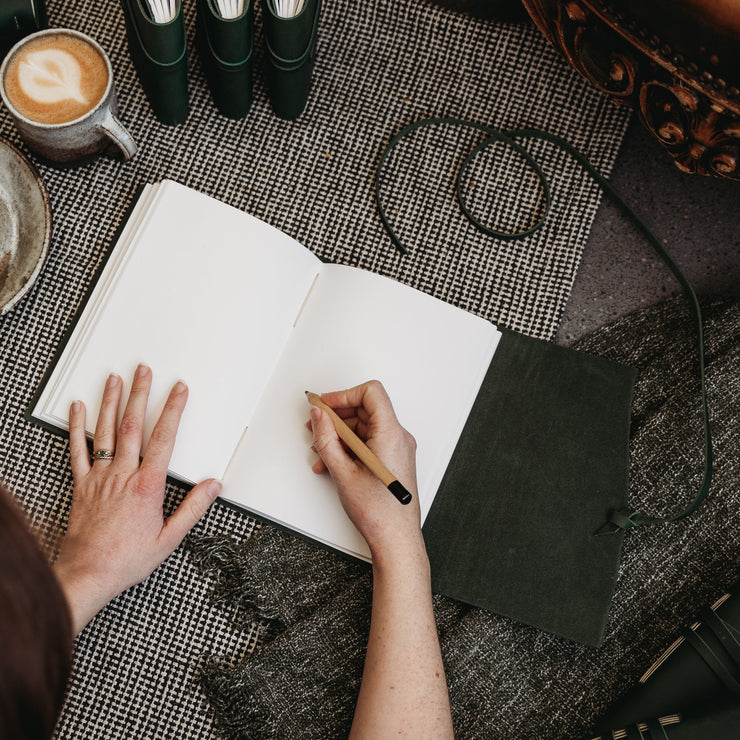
698 219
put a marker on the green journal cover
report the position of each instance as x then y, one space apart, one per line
291 50
537 468
225 46
159 53
703 665
18 18
542 461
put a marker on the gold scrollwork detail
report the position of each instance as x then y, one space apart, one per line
698 131
595 51
701 139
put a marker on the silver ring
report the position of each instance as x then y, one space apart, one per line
103 455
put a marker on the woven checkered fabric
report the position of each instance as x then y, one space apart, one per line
381 64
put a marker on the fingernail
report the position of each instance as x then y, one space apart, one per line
214 489
315 414
112 380
75 407
179 387
141 371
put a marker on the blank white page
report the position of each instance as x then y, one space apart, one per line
431 357
105 282
207 294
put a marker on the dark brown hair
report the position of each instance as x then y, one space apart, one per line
35 632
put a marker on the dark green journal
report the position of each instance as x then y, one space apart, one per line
701 667
542 461
291 50
18 18
225 47
544 452
159 53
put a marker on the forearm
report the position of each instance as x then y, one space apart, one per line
404 690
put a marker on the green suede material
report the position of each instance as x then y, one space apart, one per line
718 720
542 461
682 682
163 43
225 47
290 39
15 14
291 48
159 55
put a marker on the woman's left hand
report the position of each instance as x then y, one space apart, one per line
117 533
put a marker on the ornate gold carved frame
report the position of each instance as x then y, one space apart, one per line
694 114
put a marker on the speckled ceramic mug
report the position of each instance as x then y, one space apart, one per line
96 130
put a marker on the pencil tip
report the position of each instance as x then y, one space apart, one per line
306 392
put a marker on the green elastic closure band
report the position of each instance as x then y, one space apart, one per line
656 730
633 732
228 66
622 519
288 65
715 662
725 634
151 24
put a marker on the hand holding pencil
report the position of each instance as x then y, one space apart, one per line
363 487
363 452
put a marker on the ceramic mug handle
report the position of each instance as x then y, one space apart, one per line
115 131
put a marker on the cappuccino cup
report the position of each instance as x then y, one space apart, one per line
58 86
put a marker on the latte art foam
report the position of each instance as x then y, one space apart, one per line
51 76
55 78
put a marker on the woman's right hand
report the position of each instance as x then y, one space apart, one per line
387 525
404 689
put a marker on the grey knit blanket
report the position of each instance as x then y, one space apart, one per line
506 680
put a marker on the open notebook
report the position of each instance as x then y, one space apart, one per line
522 445
249 319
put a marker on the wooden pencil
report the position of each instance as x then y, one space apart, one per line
363 452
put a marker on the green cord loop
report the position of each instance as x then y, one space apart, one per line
622 519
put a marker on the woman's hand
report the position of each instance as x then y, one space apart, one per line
403 692
117 534
387 526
